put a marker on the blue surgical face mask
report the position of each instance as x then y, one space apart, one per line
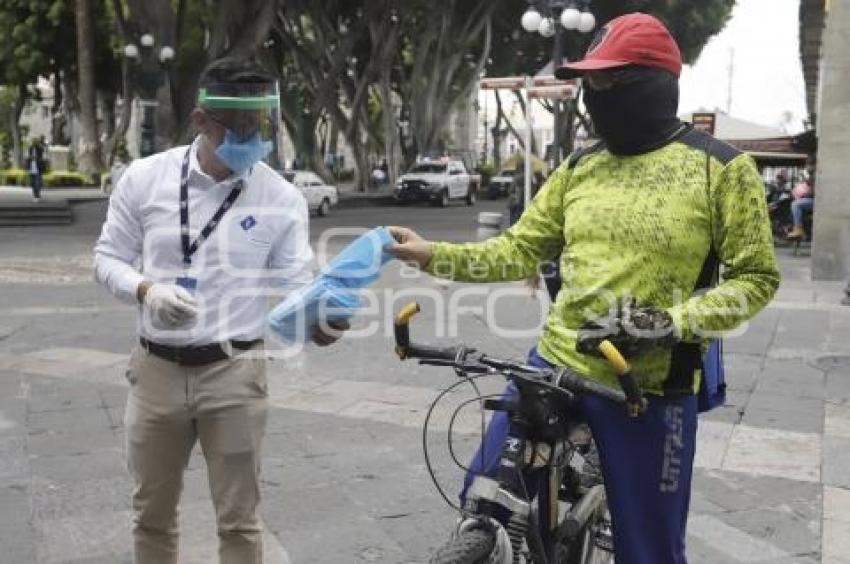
239 157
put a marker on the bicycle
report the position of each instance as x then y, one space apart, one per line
501 522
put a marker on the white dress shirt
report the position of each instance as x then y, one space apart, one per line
259 249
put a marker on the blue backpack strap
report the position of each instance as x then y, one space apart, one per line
576 156
686 358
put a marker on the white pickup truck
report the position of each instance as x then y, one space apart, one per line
438 182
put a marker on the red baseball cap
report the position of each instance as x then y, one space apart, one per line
631 39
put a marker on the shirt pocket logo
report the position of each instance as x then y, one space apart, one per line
248 223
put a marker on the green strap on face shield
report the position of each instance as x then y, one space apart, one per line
264 102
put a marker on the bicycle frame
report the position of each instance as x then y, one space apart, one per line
538 415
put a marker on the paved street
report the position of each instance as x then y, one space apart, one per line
344 476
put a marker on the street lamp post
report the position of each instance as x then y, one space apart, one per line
149 74
543 16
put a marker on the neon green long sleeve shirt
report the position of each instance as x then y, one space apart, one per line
637 226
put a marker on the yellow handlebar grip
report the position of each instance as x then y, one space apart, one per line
610 352
406 313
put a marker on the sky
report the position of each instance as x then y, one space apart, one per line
761 40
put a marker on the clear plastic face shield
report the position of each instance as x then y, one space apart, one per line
247 114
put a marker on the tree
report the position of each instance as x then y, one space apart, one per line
446 47
199 31
360 64
89 146
327 65
40 45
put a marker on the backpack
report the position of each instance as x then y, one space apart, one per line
712 385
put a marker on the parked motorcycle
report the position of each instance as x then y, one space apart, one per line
779 212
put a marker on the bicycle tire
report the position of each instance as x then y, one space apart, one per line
584 549
469 547
592 553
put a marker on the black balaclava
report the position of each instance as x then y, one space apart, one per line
638 116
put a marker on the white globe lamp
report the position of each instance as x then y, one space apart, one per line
531 20
131 51
586 22
547 27
570 18
166 54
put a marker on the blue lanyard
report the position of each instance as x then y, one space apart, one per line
189 249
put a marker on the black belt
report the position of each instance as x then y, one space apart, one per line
196 356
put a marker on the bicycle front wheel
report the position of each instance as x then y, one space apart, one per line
469 547
593 544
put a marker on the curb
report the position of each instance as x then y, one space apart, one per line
365 201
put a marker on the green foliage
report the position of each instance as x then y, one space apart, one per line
53 179
5 149
108 49
42 38
119 150
67 179
7 102
486 170
14 177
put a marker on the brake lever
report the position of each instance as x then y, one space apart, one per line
460 369
436 362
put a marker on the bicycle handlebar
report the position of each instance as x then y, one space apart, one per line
564 377
404 349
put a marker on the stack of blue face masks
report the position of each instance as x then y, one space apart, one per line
334 294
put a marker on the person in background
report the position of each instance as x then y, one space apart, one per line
378 176
778 187
36 166
804 201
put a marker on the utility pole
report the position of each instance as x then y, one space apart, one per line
731 69
557 61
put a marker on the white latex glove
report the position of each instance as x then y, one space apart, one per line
170 306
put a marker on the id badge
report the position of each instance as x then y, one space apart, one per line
187 282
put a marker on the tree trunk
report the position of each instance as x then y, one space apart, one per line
388 107
440 77
107 105
497 132
126 111
57 120
520 137
391 143
362 172
15 121
89 146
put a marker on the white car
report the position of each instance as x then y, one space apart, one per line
437 182
320 196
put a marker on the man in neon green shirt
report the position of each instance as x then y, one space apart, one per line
637 220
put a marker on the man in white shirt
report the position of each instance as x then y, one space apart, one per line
216 231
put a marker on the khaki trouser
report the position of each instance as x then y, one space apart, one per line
169 407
